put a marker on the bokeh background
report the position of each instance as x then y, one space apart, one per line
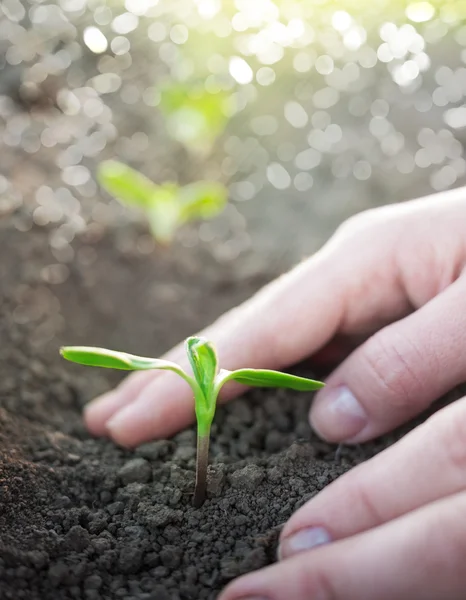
309 111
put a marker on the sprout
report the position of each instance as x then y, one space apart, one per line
166 206
206 383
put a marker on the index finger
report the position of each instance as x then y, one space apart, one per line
288 319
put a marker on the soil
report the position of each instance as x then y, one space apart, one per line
84 519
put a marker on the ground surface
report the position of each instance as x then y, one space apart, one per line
83 519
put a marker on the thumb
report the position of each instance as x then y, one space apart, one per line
396 373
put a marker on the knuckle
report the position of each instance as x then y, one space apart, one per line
363 496
314 582
365 223
450 534
394 364
447 430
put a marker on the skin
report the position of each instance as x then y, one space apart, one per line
391 286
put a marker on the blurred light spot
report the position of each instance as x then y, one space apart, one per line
13 10
207 9
75 175
392 143
380 108
367 57
422 158
278 176
68 102
125 23
422 60
106 83
140 7
73 5
420 12
439 97
443 75
265 76
455 117
303 61
120 45
341 20
95 40
244 190
157 32
55 274
295 28
354 38
405 74
324 64
423 102
102 15
459 165
384 54
93 107
443 178
240 70
362 170
295 114
179 34
303 181
308 159
326 97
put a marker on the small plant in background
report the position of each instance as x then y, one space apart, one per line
194 116
167 206
206 383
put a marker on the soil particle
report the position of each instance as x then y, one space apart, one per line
247 478
155 450
137 470
77 538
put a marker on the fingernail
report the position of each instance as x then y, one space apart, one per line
304 539
338 415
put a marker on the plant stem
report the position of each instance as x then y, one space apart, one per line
201 469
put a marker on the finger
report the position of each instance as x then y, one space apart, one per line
426 465
397 373
419 556
99 411
252 335
154 421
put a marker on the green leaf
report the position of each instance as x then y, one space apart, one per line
202 200
111 359
126 184
164 215
204 363
195 116
266 378
203 360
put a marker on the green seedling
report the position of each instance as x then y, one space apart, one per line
167 206
206 383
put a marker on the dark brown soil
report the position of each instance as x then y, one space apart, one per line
83 519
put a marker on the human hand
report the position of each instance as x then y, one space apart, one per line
394 274
393 527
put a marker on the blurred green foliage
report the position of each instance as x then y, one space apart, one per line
195 117
166 206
